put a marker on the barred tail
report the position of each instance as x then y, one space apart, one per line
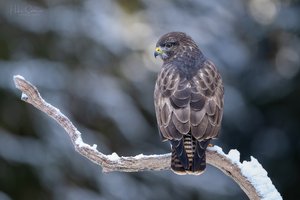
188 155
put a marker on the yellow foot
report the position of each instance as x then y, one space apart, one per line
211 145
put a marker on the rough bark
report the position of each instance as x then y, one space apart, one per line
113 162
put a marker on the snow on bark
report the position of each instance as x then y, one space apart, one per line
249 175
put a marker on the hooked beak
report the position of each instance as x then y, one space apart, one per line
158 52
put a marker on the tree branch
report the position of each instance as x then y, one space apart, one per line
250 176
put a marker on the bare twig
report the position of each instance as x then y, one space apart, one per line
248 175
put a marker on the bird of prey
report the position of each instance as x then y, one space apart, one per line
188 100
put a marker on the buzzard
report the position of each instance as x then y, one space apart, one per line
188 100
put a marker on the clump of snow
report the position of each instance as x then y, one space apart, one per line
113 157
234 156
217 149
94 147
139 156
258 176
24 97
254 172
19 77
80 143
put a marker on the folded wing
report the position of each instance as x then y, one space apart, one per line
194 105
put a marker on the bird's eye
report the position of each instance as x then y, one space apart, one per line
169 45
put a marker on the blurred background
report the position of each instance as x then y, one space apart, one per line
94 60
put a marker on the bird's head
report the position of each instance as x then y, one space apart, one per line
175 45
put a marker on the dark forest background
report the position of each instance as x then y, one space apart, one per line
94 60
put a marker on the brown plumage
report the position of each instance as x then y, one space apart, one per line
188 100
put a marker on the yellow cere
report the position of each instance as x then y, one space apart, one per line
158 50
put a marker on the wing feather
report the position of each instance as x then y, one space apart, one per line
189 105
165 114
211 107
207 91
173 131
197 117
179 103
183 128
172 97
199 130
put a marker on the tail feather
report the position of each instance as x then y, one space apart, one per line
176 165
199 159
179 153
188 155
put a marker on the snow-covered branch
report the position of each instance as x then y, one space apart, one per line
249 175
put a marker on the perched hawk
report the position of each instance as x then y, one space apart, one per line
188 100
